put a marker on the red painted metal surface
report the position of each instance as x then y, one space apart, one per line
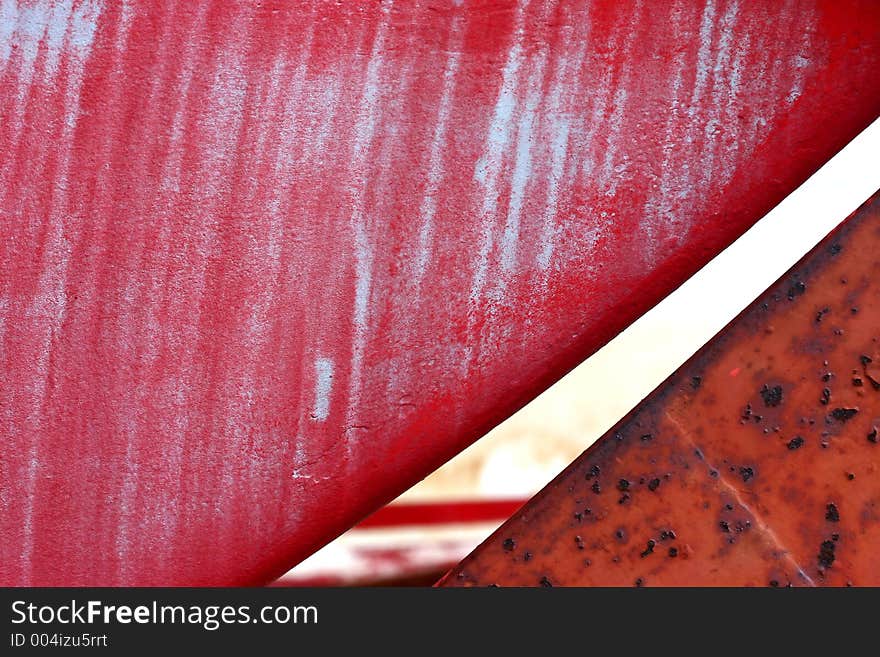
265 265
755 464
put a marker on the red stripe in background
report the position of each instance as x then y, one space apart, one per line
264 266
440 513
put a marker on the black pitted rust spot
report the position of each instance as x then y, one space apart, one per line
509 545
645 437
649 549
696 381
872 435
623 485
546 582
593 472
822 313
797 289
850 475
826 554
667 533
772 395
596 488
774 583
527 556
796 443
831 513
827 377
623 499
835 249
857 382
640 583
620 535
866 360
654 484
844 414
673 552
725 527
826 397
746 473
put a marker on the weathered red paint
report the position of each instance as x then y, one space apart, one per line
755 464
264 265
408 514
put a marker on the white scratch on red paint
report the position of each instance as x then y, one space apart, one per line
50 303
593 122
611 173
323 388
363 267
325 99
707 25
660 207
55 31
522 170
561 112
489 166
713 127
8 19
30 28
612 170
171 170
365 129
557 117
800 61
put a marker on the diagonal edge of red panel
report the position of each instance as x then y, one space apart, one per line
755 463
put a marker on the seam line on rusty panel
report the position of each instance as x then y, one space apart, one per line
762 525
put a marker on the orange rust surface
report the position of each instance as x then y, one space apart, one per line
755 464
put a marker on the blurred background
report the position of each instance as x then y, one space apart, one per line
418 537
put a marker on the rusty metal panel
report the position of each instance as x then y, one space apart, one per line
264 265
756 463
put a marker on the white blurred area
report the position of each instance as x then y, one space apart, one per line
518 457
